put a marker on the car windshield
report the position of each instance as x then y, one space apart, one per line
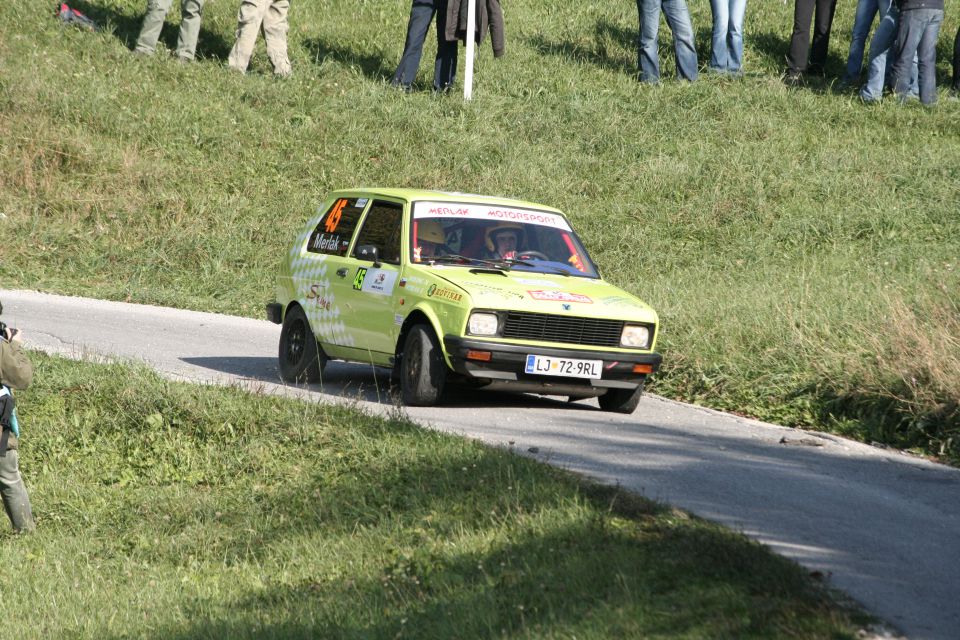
497 237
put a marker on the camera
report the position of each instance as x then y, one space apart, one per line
3 327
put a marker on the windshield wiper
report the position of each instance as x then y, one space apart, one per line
458 259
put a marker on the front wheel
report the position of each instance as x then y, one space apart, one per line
423 373
301 358
621 400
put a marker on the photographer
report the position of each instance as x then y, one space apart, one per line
16 372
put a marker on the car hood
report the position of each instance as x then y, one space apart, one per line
545 293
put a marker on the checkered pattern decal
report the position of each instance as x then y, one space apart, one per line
308 269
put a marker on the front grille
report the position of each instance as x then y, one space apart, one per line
596 332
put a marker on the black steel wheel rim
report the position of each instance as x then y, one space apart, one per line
296 341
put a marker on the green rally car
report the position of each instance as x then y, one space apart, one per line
449 287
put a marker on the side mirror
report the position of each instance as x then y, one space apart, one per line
368 252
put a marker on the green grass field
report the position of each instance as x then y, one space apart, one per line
168 510
801 247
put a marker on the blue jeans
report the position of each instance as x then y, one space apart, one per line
880 58
445 66
678 19
917 36
866 11
726 50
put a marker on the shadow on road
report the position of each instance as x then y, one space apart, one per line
372 384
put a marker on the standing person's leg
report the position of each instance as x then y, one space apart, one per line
249 19
866 10
191 14
880 52
678 19
719 53
927 56
445 65
738 8
16 501
421 14
152 24
648 58
275 28
956 63
821 34
905 48
800 38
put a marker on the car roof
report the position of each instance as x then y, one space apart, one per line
413 195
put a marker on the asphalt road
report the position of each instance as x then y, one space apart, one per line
883 526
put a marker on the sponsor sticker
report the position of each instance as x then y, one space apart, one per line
378 281
559 296
448 294
321 300
487 212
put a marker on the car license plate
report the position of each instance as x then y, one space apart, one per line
568 367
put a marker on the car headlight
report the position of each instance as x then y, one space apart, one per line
636 336
483 324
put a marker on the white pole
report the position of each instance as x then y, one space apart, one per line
471 29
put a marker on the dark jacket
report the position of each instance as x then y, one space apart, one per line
16 372
489 18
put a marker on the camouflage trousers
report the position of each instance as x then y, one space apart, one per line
190 10
16 502
271 16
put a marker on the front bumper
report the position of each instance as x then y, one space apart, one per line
507 363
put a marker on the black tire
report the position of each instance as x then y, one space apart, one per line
301 358
423 373
621 400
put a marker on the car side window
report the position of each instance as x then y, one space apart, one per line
381 228
332 235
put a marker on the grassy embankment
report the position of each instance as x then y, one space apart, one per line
801 248
170 510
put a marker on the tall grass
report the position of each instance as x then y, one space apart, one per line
768 226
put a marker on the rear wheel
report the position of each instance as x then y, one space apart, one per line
423 373
301 358
621 400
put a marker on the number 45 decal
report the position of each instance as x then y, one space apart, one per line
333 218
358 279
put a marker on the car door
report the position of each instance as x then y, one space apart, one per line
315 269
368 288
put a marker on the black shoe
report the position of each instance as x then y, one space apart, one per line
816 70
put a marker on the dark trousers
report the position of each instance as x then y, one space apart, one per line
800 40
956 62
445 66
